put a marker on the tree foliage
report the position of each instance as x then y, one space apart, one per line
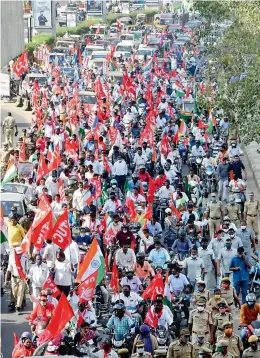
234 63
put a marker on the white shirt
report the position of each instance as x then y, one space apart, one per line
197 152
96 166
165 320
49 253
72 253
111 205
125 260
56 207
140 159
38 274
12 266
178 283
120 168
131 301
52 186
56 139
165 193
62 273
48 131
77 200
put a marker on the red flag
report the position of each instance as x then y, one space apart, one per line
42 169
80 320
16 339
61 234
19 266
108 236
148 213
165 146
151 190
176 137
202 125
155 288
151 318
62 315
61 190
131 210
49 283
55 160
22 155
106 165
119 26
87 288
42 211
25 245
114 282
175 210
21 64
42 231
106 261
89 42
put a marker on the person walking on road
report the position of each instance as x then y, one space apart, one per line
251 210
8 126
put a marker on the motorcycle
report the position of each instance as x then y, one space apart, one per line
195 192
198 163
209 178
255 277
248 330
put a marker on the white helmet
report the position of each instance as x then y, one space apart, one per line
168 211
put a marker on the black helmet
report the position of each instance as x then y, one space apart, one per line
182 233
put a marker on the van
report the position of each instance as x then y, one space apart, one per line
97 57
123 47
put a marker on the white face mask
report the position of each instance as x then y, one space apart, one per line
243 227
200 308
140 350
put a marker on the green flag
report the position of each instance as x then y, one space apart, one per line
104 196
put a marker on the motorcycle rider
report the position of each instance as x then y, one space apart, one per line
25 350
249 312
84 335
106 350
120 322
182 246
162 314
159 256
128 297
125 257
125 237
254 350
197 150
132 281
142 268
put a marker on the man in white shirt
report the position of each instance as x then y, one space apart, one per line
112 204
197 150
166 191
56 205
139 158
131 299
77 200
120 171
163 105
164 318
38 274
72 254
125 257
208 161
52 184
57 139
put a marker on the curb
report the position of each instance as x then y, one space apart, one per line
254 160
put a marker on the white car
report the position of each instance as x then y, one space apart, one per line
8 200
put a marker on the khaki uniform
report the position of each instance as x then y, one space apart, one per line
197 347
4 158
145 355
220 355
214 212
228 295
212 305
197 295
201 322
235 345
9 125
218 321
251 210
178 350
233 211
249 353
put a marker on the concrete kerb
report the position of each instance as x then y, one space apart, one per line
254 160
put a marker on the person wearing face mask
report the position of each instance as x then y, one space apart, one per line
254 350
182 347
233 211
159 256
140 351
125 237
114 188
193 266
25 350
251 210
38 274
236 241
225 256
132 281
200 320
43 309
63 271
213 214
235 345
147 338
219 319
129 298
234 150
142 268
210 264
247 237
120 170
213 303
125 257
182 246
199 345
201 291
52 184
112 204
222 350
120 322
229 293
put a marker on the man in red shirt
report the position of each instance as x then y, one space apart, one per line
43 310
143 175
160 180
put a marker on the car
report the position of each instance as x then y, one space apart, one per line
97 57
129 37
29 80
64 50
8 200
125 20
15 188
193 24
124 48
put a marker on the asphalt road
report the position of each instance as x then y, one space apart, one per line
11 322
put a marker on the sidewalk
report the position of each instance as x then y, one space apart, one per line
254 160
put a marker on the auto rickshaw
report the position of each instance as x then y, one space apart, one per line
187 110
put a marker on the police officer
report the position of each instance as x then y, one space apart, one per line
235 345
199 345
233 211
252 208
254 350
219 319
205 352
182 347
4 156
222 350
8 127
213 214
229 294
140 352
200 321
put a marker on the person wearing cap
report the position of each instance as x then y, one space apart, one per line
140 351
123 353
254 350
219 319
235 345
205 352
43 309
225 256
233 210
222 350
200 320
213 303
8 126
227 224
251 210
15 231
229 293
240 267
213 214
201 346
182 347
17 283
200 291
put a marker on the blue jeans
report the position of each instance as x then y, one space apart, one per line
241 286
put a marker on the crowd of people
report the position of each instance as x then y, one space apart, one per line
130 178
